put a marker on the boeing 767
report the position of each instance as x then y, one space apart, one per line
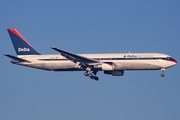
111 64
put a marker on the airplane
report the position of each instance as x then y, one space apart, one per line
112 64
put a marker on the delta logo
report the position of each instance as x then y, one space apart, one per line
23 49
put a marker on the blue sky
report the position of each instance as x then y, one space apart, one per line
90 27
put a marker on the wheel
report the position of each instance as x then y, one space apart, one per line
92 77
86 74
96 78
162 75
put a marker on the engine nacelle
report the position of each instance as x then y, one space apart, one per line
115 72
106 66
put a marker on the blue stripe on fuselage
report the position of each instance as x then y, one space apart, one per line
152 58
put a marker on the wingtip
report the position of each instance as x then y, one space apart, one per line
53 47
5 54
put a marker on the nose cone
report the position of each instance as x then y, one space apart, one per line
173 61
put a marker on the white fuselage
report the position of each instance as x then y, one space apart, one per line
123 61
111 64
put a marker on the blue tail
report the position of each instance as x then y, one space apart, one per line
21 46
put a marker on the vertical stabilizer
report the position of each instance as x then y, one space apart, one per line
21 46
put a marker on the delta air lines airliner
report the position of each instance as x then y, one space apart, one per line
111 64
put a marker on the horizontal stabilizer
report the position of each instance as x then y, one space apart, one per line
16 58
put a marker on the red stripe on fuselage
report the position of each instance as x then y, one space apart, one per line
172 61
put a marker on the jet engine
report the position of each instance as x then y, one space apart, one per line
115 72
106 66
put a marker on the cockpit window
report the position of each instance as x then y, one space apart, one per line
168 58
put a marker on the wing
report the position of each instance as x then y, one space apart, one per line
74 57
16 58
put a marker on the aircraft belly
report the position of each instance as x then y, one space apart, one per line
52 66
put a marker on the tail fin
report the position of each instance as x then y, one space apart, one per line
21 46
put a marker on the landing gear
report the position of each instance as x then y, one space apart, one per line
162 75
162 70
86 73
96 78
93 77
83 66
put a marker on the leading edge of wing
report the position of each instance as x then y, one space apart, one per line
71 56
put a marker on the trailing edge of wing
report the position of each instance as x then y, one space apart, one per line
16 58
74 57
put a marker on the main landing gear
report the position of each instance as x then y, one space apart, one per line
87 73
162 72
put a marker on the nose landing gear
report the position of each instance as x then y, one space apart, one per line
162 75
162 72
